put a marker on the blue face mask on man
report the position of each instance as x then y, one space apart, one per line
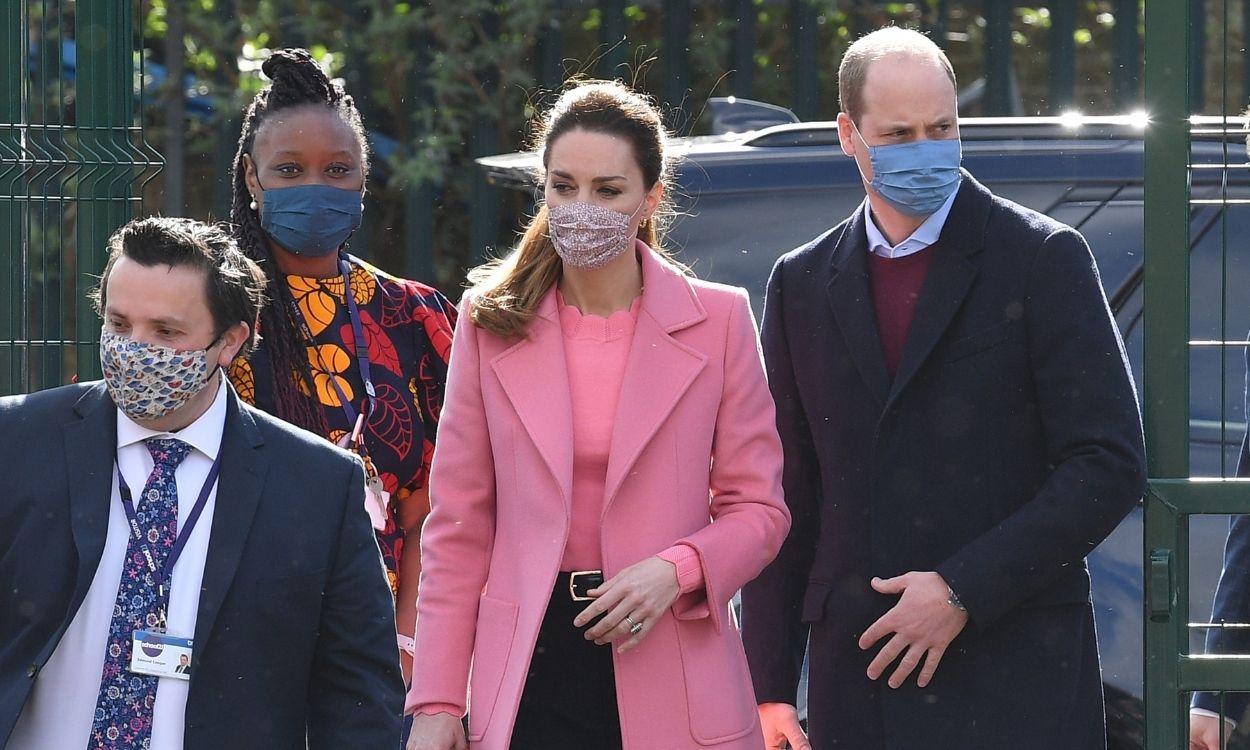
916 177
311 220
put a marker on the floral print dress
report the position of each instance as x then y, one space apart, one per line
408 327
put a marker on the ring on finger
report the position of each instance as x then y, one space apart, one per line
634 627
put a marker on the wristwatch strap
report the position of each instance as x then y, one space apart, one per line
953 600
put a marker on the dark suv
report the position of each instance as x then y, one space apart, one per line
748 197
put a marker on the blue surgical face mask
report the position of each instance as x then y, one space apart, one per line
916 177
311 220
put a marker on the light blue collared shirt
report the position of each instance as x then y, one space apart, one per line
926 234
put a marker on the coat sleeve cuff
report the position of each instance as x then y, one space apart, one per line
689 569
430 709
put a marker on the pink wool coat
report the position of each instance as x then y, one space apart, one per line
694 458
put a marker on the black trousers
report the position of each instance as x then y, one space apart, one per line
569 701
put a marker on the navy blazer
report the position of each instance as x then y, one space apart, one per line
1232 596
1006 447
295 637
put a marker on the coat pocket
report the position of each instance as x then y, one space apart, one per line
718 685
978 342
492 647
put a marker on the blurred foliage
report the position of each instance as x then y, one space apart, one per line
445 78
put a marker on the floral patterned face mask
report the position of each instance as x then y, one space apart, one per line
148 381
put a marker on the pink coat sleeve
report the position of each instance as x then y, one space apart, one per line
457 536
749 515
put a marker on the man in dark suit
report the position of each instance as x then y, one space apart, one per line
960 430
155 509
1232 605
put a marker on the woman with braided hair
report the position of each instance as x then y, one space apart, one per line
347 351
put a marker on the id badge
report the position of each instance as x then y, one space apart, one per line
377 500
160 655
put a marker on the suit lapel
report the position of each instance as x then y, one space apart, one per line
534 375
91 449
659 369
949 281
244 465
851 299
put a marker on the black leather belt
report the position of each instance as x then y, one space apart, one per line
581 582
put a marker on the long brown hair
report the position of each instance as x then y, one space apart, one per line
506 292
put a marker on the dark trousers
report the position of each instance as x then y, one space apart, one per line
569 701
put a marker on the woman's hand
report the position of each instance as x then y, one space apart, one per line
641 593
440 731
405 666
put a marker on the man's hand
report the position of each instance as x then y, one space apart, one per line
440 731
1204 732
923 624
780 722
640 594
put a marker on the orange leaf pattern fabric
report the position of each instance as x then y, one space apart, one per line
329 362
408 328
244 380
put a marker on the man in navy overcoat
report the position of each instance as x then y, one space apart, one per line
960 430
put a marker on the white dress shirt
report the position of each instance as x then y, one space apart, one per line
926 234
61 708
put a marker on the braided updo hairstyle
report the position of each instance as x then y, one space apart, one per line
296 81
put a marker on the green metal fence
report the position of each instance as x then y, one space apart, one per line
73 163
1185 321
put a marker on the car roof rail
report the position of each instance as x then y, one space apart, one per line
731 114
1062 127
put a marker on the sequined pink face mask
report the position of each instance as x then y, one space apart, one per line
589 236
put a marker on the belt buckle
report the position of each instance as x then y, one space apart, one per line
577 574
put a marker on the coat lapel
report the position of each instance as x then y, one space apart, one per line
851 299
659 368
244 466
949 281
534 375
91 449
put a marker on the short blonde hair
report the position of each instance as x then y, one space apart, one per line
887 42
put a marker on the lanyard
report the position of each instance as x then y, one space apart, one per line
162 576
361 351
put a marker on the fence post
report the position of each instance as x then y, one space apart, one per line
1062 56
742 48
1166 357
805 42
676 53
175 108
1197 51
612 36
484 141
941 16
998 57
1245 53
358 80
551 47
105 101
1128 52
418 197
12 45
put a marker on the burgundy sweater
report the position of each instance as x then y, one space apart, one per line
896 285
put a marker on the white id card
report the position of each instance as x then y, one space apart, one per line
160 655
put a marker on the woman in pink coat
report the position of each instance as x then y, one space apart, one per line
607 474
